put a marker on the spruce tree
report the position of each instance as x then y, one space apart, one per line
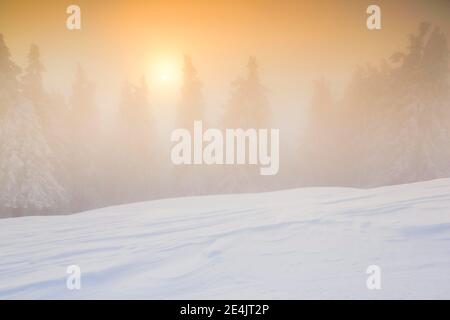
396 116
191 105
248 105
32 84
247 108
423 106
84 139
138 145
190 180
27 174
318 143
9 85
51 113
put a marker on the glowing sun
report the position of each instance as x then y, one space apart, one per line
164 77
165 71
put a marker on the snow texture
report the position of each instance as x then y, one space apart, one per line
26 172
294 244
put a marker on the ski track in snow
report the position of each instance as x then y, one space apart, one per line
311 243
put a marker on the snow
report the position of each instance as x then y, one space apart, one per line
26 168
293 244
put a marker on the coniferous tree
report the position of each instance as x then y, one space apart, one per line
51 111
191 105
396 116
32 84
27 180
190 180
392 125
84 140
9 85
138 145
27 175
317 149
422 92
247 108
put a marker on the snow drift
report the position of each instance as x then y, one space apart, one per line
293 244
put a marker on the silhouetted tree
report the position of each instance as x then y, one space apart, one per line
191 105
9 85
318 154
248 106
138 155
85 129
190 180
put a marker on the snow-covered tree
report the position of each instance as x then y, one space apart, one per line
399 115
32 84
27 180
421 109
51 110
392 125
9 85
28 184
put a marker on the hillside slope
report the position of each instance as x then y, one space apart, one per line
293 244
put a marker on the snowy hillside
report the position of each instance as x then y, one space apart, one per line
294 244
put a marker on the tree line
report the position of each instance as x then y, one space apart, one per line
390 126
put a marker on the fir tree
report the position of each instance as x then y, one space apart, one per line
32 85
191 105
27 180
9 85
27 174
84 139
138 145
317 147
248 106
190 180
399 120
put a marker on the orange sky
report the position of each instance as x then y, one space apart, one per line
295 41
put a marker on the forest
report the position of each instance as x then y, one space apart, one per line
391 126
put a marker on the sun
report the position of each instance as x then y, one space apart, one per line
165 77
164 71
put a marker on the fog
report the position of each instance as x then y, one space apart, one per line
109 95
